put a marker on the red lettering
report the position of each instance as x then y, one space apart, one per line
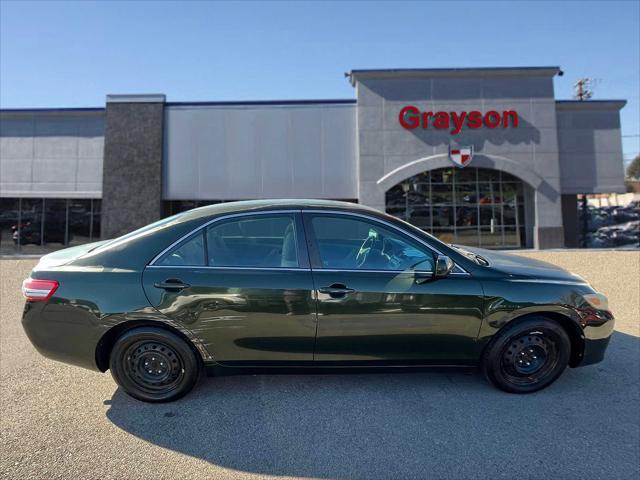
425 119
458 120
488 119
442 120
509 114
409 117
474 119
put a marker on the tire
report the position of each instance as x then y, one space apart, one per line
527 356
154 365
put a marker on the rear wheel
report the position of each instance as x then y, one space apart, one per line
527 356
153 365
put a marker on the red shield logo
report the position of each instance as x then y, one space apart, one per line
461 156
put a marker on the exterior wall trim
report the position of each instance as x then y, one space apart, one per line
257 103
10 112
590 104
137 98
356 75
89 194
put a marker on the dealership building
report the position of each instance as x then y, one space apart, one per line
476 156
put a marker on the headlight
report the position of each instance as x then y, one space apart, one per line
597 301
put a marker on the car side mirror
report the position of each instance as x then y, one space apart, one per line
444 265
422 276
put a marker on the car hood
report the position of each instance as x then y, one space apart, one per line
524 267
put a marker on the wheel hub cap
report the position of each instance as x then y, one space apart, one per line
526 355
153 366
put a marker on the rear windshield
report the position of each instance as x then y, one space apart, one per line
152 227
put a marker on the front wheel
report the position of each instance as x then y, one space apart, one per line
527 356
153 365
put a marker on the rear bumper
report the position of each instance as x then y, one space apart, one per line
59 338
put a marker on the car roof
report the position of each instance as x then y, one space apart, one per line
276 204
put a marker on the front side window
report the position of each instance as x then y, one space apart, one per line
348 243
188 253
261 241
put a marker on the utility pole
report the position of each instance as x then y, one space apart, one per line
582 89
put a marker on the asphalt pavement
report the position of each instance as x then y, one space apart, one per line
59 421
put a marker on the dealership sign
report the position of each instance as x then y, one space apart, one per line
411 117
461 156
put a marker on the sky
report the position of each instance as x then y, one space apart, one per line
71 54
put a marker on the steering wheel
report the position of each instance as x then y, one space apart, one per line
364 250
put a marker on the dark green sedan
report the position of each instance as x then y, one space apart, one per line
305 286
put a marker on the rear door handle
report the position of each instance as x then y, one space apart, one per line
172 284
336 290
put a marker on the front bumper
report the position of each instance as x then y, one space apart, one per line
594 351
598 328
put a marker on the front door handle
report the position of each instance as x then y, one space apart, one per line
172 284
336 290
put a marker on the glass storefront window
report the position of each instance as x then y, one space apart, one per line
444 234
466 193
468 236
509 214
420 216
470 206
40 225
467 175
96 206
441 194
491 237
9 215
79 221
54 228
489 192
442 175
29 231
487 175
512 235
466 216
442 217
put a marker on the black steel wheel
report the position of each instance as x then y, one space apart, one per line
154 365
527 356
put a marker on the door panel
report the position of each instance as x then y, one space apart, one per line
241 315
391 318
372 305
246 288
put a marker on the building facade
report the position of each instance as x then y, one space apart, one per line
481 156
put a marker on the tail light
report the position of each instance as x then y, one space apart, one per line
22 225
38 290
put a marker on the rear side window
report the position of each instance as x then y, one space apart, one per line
263 241
189 252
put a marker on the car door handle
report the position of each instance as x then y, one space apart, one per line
336 290
172 284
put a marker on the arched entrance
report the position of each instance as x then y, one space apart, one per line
470 206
